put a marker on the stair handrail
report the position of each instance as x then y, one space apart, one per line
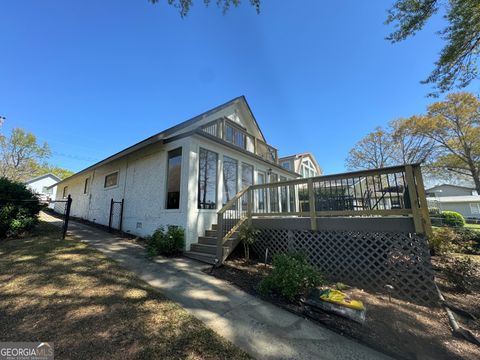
223 236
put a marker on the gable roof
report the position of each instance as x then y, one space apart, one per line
451 185
300 156
53 176
163 135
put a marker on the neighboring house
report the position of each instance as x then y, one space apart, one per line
464 200
44 186
180 176
304 164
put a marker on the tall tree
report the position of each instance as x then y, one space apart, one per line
457 64
45 168
409 147
373 151
184 6
454 126
19 153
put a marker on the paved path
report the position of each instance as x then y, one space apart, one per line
263 330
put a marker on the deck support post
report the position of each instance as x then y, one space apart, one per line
412 193
219 240
311 202
422 197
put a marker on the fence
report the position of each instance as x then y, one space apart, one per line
115 218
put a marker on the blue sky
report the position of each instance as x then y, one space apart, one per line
93 77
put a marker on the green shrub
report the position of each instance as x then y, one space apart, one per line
442 241
19 208
433 211
468 241
167 242
247 235
461 273
291 276
452 218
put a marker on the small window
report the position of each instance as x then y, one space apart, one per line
174 175
111 180
65 191
475 208
85 186
286 165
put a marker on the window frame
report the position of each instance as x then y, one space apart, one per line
214 208
225 200
86 185
105 180
475 206
167 177
64 193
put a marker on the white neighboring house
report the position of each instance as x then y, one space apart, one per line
304 164
44 186
462 199
180 176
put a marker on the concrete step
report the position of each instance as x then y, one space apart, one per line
206 258
208 240
211 233
207 249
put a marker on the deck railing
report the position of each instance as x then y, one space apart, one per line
234 134
393 191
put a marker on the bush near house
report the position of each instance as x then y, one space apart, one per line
19 208
452 218
292 276
167 242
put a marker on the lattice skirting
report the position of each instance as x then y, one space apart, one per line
369 260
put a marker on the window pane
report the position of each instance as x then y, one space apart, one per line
247 180
274 203
174 172
111 180
229 179
85 187
207 180
240 139
229 134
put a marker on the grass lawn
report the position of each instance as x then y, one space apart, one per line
91 308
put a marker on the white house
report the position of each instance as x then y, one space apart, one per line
44 186
180 176
462 199
304 164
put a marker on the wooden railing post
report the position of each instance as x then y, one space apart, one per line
219 239
412 193
422 197
311 201
249 206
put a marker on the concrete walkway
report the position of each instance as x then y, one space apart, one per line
263 330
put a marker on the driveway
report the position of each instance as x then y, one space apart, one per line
263 330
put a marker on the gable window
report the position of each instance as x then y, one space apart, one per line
286 165
475 208
85 186
65 191
307 169
229 179
174 172
235 136
207 179
111 180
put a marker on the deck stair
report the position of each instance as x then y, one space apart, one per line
206 248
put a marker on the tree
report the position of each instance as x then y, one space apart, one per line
45 168
454 126
184 6
395 145
457 64
19 153
373 151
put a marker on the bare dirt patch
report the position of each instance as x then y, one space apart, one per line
399 328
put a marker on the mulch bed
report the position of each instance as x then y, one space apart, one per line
399 328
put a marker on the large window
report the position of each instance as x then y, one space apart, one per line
65 191
261 193
247 180
307 169
229 178
111 180
207 179
174 173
